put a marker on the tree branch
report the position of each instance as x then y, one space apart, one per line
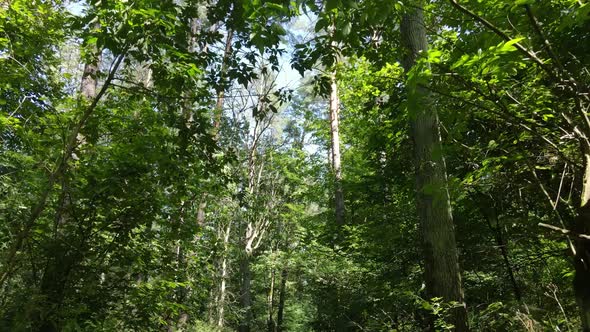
564 231
506 37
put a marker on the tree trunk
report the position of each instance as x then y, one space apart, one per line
335 135
222 286
89 79
245 294
221 90
441 267
282 297
222 293
341 322
582 255
271 294
186 132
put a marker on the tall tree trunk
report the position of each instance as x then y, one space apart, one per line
441 267
224 274
335 135
245 294
341 321
282 298
582 258
218 308
221 90
270 303
185 133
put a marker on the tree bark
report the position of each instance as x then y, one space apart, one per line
441 267
89 78
335 136
282 298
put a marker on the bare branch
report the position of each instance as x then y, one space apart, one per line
565 231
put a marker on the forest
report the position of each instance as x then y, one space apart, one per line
294 165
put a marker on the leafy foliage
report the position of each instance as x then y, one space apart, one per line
192 190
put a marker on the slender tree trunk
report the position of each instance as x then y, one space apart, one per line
224 274
271 294
582 256
335 135
504 250
221 90
342 322
441 267
509 270
185 132
282 298
222 293
245 294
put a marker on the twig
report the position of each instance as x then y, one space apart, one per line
565 231
560 186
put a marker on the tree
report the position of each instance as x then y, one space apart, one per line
335 148
441 267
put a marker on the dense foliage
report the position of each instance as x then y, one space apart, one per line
181 165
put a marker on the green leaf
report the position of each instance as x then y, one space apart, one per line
509 45
92 40
346 29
